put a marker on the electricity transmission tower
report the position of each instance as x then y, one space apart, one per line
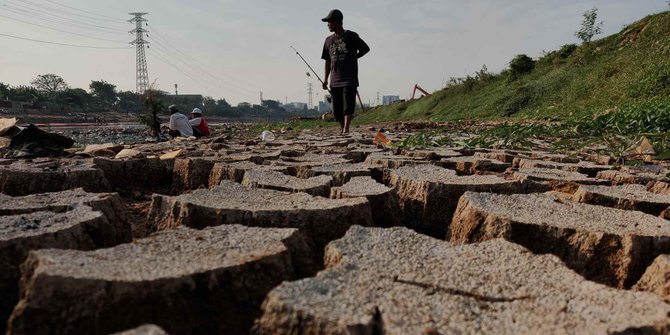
141 72
310 91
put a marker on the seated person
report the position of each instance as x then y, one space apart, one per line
199 124
179 125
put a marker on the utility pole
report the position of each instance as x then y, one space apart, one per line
141 72
310 104
261 98
176 92
377 98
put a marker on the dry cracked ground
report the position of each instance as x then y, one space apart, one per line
321 234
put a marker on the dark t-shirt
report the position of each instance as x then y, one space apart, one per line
342 53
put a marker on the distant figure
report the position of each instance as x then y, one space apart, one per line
199 124
179 125
341 52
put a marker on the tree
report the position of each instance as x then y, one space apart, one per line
589 27
73 97
4 91
49 84
209 104
222 103
129 101
24 94
103 92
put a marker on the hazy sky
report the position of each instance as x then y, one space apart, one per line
234 49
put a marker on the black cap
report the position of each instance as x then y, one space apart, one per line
334 15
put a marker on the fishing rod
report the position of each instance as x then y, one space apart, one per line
322 82
317 76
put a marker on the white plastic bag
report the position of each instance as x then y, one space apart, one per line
267 136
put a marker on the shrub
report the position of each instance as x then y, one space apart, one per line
566 51
521 64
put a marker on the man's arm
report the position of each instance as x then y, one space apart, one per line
325 78
363 48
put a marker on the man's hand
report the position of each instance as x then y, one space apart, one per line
325 86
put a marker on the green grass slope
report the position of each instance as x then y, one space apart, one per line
628 71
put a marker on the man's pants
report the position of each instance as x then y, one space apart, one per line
344 101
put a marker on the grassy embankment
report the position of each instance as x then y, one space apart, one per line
625 72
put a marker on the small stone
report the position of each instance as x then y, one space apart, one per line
128 153
171 155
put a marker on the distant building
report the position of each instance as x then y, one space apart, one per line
389 99
295 106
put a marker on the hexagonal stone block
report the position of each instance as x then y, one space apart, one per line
321 219
473 164
621 178
657 278
631 197
234 171
501 155
586 168
395 281
186 281
79 227
273 180
388 161
607 245
41 176
429 194
317 160
383 200
341 173
110 204
540 180
433 154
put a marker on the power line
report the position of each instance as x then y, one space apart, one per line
63 44
216 81
39 16
30 8
85 11
200 64
63 31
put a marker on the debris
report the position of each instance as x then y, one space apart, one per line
128 153
34 142
381 139
171 155
6 125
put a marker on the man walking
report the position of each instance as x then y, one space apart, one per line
341 52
